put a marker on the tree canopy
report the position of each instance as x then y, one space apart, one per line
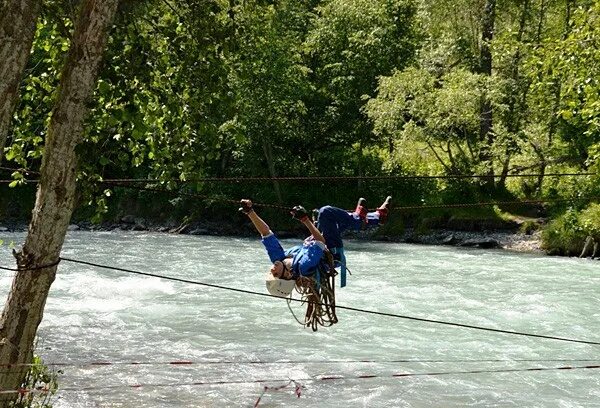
334 87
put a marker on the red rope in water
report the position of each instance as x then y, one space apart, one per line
90 364
296 382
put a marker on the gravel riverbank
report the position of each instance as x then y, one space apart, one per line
510 240
513 241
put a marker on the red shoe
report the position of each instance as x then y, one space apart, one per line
383 210
361 209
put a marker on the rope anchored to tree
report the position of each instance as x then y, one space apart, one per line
34 268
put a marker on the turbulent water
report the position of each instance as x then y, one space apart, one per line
236 338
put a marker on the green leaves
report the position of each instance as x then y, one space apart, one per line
414 105
223 88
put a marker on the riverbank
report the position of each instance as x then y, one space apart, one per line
513 241
502 239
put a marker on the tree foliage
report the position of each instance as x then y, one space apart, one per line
329 87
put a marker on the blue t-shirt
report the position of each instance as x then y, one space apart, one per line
305 257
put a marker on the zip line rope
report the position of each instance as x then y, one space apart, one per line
23 391
287 380
344 178
26 171
35 268
400 208
123 184
327 178
4 181
411 207
358 310
415 207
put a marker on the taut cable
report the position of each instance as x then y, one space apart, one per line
354 309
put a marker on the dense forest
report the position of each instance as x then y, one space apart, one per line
231 89
175 110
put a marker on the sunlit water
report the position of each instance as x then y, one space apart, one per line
102 315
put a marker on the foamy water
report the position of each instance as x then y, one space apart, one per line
101 315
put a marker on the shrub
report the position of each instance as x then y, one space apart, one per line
590 221
39 377
565 235
529 227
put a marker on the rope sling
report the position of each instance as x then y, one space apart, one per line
318 292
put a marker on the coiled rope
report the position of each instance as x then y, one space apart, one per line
318 293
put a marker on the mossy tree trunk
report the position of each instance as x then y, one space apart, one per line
486 133
516 100
55 198
17 29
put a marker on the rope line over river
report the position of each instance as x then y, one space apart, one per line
358 310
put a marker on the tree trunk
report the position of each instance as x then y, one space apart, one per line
505 169
439 159
360 182
24 307
486 135
537 187
17 29
557 91
514 111
268 151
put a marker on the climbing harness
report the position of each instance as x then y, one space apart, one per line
341 263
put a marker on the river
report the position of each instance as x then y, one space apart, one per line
95 314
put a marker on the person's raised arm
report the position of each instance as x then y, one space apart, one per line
261 226
300 214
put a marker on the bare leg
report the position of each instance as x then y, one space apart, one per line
586 247
384 209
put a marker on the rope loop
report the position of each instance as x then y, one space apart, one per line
318 292
35 268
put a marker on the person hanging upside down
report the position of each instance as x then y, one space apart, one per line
303 260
